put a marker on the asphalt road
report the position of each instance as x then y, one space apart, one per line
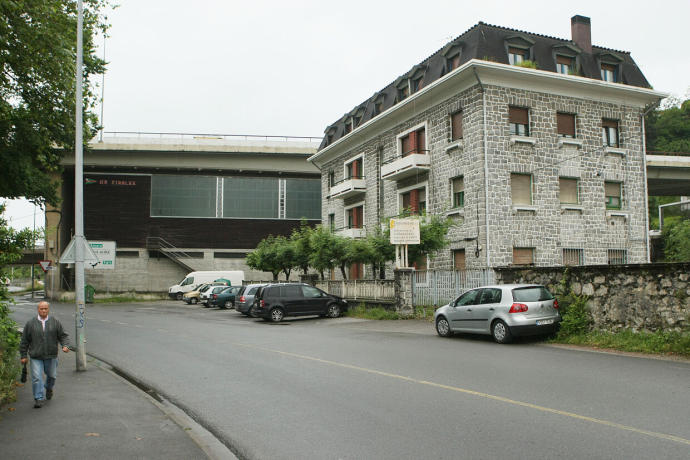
350 389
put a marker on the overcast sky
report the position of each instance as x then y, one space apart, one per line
294 67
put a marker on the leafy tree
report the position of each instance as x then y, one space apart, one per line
668 130
432 237
285 252
37 85
302 246
382 251
12 243
265 257
322 242
677 241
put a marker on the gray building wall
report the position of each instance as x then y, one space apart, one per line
549 227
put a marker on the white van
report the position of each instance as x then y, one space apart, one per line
194 279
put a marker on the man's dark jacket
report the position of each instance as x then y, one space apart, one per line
42 344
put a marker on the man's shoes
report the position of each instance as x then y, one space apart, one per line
38 403
49 393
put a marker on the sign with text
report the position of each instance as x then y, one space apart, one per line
105 251
404 231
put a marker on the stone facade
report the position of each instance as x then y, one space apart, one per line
649 297
546 225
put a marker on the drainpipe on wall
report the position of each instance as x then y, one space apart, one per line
646 191
486 171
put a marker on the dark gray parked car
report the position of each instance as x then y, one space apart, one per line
273 302
245 298
503 311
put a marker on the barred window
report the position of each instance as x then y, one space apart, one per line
617 256
573 257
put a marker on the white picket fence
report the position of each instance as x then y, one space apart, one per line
372 290
438 287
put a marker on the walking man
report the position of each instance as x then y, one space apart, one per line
40 338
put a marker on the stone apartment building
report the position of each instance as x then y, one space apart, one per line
533 145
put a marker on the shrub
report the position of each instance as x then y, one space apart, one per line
9 347
576 317
527 63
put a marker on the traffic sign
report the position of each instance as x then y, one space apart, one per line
70 253
45 264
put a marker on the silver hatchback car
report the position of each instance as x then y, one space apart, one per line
502 311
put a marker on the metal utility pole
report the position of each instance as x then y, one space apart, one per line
80 315
33 250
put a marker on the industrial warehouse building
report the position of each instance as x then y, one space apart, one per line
179 203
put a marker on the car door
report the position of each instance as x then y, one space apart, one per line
461 312
489 300
314 300
292 299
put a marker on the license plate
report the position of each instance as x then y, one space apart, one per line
543 322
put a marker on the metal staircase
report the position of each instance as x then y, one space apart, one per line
165 248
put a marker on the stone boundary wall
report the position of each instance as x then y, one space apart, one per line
641 297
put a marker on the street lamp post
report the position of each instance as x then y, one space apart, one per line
80 314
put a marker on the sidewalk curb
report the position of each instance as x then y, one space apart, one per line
207 441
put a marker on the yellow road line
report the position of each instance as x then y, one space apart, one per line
585 418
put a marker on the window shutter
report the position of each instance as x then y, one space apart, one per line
568 190
406 145
456 126
421 141
523 256
609 67
567 60
566 124
606 123
521 188
406 200
522 52
459 259
613 189
518 115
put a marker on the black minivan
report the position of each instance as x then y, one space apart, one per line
273 302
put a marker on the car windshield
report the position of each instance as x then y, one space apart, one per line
531 294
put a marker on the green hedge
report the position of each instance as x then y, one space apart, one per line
9 352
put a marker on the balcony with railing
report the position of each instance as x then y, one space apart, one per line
406 165
348 187
351 232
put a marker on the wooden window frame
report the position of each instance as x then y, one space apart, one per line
518 117
608 126
516 251
457 197
517 51
512 189
566 125
577 190
609 198
455 126
609 67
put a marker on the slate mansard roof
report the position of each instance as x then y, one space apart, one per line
488 42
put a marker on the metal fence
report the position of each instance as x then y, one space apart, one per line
438 287
371 290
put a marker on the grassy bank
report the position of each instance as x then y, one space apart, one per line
379 313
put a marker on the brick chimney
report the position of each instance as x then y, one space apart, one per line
581 30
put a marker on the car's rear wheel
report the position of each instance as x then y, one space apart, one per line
501 332
194 300
178 296
228 304
276 315
443 328
333 311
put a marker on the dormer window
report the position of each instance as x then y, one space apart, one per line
517 56
403 92
609 72
452 63
348 126
417 84
378 104
452 52
565 64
